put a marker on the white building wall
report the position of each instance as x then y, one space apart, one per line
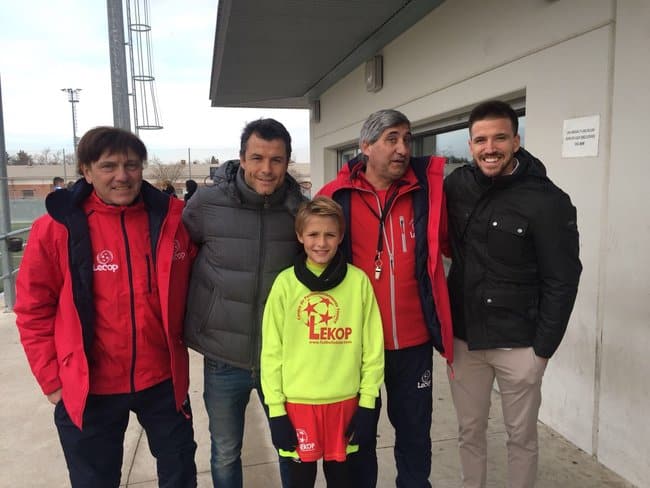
569 59
623 425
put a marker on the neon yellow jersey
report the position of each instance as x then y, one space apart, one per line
321 347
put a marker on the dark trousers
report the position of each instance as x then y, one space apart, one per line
94 454
408 380
303 475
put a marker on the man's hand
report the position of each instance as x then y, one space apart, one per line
283 433
54 397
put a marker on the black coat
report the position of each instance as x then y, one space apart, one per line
515 267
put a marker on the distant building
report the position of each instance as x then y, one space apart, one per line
35 182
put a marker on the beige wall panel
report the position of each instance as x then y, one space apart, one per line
624 429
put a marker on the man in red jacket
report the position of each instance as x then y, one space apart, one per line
394 210
100 303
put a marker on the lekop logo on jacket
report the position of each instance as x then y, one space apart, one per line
320 312
104 262
179 254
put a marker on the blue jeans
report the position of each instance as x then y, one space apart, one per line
226 392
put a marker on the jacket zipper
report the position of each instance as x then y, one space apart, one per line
402 227
258 316
132 297
391 275
390 246
148 272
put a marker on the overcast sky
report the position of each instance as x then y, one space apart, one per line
46 46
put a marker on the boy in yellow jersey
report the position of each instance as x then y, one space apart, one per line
322 357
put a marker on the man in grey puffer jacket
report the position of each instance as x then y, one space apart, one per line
244 225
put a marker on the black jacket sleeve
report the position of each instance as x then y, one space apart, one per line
559 267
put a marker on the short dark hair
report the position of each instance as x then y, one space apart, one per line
494 109
101 139
267 129
57 180
191 185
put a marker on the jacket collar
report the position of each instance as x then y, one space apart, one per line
230 176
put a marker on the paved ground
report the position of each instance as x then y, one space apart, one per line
30 455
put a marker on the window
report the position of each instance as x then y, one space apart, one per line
451 142
28 193
345 154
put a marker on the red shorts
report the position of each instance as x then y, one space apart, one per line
321 429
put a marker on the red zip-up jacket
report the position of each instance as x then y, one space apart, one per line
412 289
69 292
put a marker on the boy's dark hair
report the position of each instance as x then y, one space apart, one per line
320 206
494 109
101 139
267 129
57 181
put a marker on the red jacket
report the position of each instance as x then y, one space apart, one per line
62 317
421 189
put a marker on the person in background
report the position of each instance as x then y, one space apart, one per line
57 183
99 307
395 215
244 226
512 283
190 188
169 189
322 360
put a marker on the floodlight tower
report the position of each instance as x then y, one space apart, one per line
73 98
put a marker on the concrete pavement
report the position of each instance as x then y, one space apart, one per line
30 454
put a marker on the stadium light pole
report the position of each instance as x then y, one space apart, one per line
73 98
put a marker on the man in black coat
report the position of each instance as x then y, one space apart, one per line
512 284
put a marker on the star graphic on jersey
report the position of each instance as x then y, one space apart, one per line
326 301
310 308
325 318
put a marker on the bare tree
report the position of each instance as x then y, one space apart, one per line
44 156
161 172
56 157
303 180
211 160
22 158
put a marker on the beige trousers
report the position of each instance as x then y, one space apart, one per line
518 372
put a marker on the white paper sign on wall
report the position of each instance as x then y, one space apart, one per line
580 137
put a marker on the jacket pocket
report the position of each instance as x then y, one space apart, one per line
512 315
508 239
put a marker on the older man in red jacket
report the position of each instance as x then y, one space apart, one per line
100 304
395 216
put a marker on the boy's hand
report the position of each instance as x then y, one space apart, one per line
283 434
361 429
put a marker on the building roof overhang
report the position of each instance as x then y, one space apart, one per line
286 53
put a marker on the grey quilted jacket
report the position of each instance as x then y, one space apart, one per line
245 240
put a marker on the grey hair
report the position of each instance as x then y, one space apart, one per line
378 122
